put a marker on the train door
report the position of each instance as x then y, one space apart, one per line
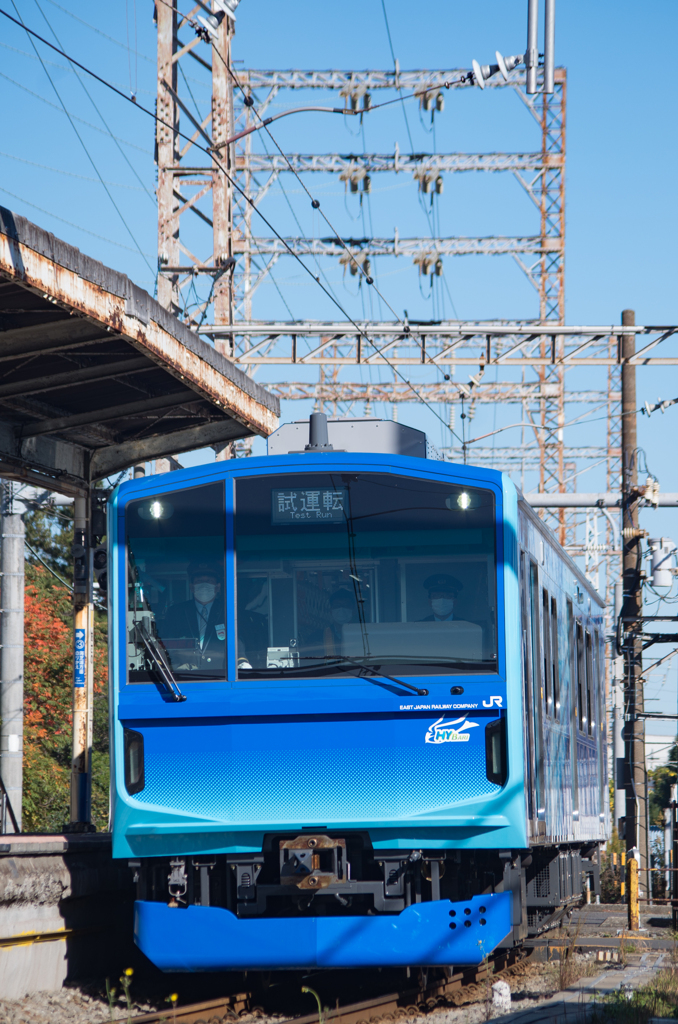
537 717
573 631
598 730
530 759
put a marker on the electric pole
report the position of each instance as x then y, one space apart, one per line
632 610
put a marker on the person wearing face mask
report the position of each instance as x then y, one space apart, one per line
342 611
200 621
442 594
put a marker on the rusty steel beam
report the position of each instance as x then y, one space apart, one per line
75 377
115 457
115 412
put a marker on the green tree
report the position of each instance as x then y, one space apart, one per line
660 781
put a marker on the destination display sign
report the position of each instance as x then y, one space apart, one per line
317 505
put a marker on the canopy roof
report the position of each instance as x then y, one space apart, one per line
95 375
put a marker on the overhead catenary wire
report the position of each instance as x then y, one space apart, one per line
50 63
68 174
48 567
101 116
315 204
210 152
80 139
110 39
70 223
431 226
81 120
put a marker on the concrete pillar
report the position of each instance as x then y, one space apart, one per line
12 653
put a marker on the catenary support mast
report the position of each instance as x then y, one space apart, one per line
636 795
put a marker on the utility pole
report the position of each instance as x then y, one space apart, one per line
12 651
83 668
634 729
618 760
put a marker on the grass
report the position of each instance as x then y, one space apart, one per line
659 998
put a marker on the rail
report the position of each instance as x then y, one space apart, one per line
427 996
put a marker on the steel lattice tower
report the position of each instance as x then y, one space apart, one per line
234 261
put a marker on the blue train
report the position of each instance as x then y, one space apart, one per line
357 708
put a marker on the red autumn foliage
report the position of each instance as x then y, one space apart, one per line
48 689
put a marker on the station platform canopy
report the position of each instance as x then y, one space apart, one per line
95 375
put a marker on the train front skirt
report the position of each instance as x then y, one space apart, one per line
213 939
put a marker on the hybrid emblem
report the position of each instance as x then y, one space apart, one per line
450 732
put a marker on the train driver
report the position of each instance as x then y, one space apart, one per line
200 619
442 595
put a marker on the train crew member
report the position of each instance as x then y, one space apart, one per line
201 619
442 594
342 611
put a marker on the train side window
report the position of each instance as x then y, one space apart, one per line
581 679
590 722
555 671
546 652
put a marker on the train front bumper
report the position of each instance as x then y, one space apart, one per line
213 939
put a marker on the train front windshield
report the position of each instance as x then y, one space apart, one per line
335 571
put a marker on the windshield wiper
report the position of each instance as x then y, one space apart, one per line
159 659
343 659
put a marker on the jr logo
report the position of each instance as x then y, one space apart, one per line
493 702
450 732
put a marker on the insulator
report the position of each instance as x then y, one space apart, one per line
367 267
427 101
438 269
440 184
354 184
354 101
426 265
440 101
353 268
367 101
367 183
425 184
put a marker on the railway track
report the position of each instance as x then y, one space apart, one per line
450 990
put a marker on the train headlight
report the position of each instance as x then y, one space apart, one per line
461 501
156 509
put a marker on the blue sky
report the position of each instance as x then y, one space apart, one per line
621 220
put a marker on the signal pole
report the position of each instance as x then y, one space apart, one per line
632 610
83 669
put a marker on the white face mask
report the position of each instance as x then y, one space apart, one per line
204 592
342 615
442 606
